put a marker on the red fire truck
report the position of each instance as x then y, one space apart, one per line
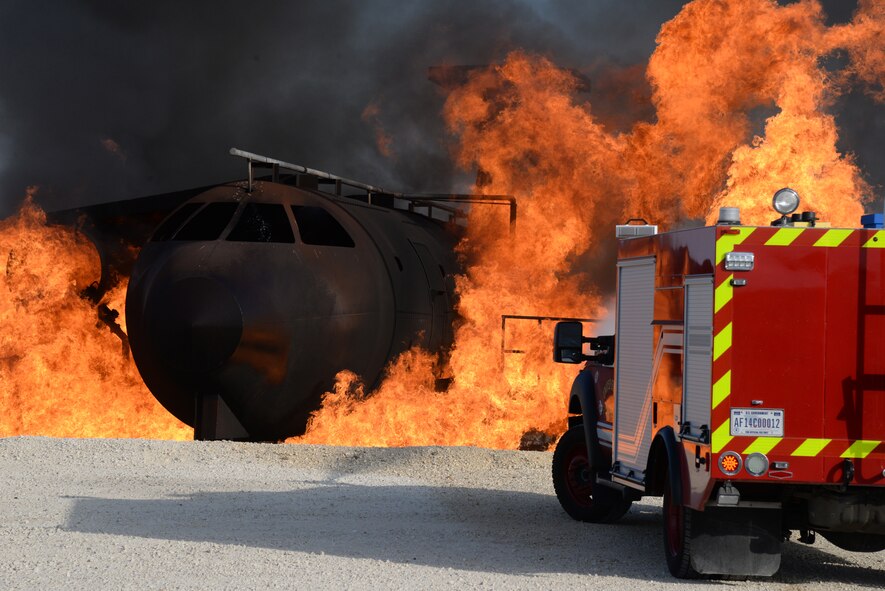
745 385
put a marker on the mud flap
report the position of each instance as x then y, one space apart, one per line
736 541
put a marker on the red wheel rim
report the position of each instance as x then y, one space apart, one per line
579 477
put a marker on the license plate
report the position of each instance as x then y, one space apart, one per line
767 422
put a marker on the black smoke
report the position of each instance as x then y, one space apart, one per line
111 100
105 100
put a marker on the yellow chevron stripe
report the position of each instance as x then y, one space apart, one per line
721 437
762 445
722 389
860 449
811 447
722 342
832 238
727 242
723 293
877 240
784 237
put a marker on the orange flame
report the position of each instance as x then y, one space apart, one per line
61 374
717 65
372 116
741 101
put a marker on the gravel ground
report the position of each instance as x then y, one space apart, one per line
133 514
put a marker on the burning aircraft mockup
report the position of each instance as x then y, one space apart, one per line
251 296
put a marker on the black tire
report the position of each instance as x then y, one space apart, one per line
574 481
677 536
855 542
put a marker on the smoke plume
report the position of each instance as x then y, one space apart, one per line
105 100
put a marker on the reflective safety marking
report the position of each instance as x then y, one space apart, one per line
762 445
784 237
722 389
833 238
811 447
876 241
727 242
722 342
860 449
721 437
723 293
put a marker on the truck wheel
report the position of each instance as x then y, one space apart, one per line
677 536
574 481
855 542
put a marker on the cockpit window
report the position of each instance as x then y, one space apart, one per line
209 222
317 226
174 221
262 222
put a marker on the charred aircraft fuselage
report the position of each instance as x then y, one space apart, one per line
244 305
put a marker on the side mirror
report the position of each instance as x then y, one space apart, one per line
568 343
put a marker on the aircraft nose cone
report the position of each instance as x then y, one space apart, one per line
196 324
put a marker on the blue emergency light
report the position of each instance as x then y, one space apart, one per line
873 221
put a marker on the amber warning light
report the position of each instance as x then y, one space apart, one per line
730 463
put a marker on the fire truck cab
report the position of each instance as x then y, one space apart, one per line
745 385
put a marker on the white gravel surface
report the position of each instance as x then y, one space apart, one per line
131 514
